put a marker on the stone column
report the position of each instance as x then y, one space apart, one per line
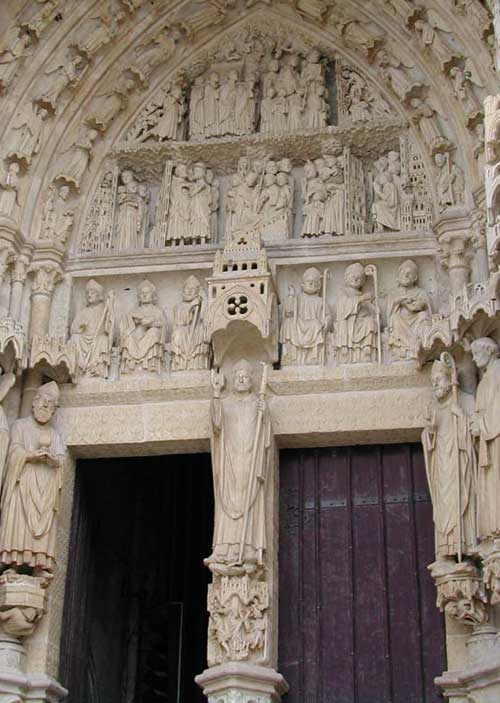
18 277
46 275
455 235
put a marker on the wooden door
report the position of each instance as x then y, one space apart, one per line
358 621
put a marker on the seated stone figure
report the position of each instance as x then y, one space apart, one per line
92 332
190 347
142 333
356 325
408 312
304 325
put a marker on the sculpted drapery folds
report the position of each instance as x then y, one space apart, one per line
190 346
242 443
142 333
408 312
356 326
30 496
450 462
305 322
7 381
132 201
486 427
92 332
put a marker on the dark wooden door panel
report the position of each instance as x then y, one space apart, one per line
358 622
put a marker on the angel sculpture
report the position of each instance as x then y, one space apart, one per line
425 112
13 49
462 80
430 30
65 71
36 22
97 31
153 51
356 33
395 73
27 134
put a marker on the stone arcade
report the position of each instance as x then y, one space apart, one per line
250 247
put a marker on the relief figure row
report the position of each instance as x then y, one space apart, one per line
338 195
309 333
142 332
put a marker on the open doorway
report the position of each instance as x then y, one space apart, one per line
135 622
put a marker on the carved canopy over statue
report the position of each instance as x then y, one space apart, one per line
31 492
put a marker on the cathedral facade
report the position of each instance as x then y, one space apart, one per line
249 351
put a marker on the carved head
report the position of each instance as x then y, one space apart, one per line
42 113
214 80
439 159
94 292
251 179
45 402
282 179
232 76
242 377
127 177
310 170
269 179
355 276
311 281
441 380
285 165
272 167
313 56
408 273
191 289
199 170
243 164
274 65
146 293
484 350
14 168
64 192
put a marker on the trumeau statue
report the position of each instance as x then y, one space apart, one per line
31 492
356 320
450 462
92 332
486 427
190 348
131 213
27 135
242 448
9 192
305 321
408 313
143 333
59 215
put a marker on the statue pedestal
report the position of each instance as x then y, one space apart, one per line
236 682
22 604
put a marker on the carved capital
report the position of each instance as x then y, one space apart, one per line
491 576
19 269
22 603
238 625
45 278
460 591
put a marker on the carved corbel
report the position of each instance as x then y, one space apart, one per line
22 603
56 357
460 591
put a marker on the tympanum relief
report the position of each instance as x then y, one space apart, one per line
92 332
143 333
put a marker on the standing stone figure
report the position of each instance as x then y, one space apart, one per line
9 192
7 381
190 346
241 457
31 492
305 322
131 213
142 333
408 312
59 216
356 326
486 427
27 135
450 462
92 332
